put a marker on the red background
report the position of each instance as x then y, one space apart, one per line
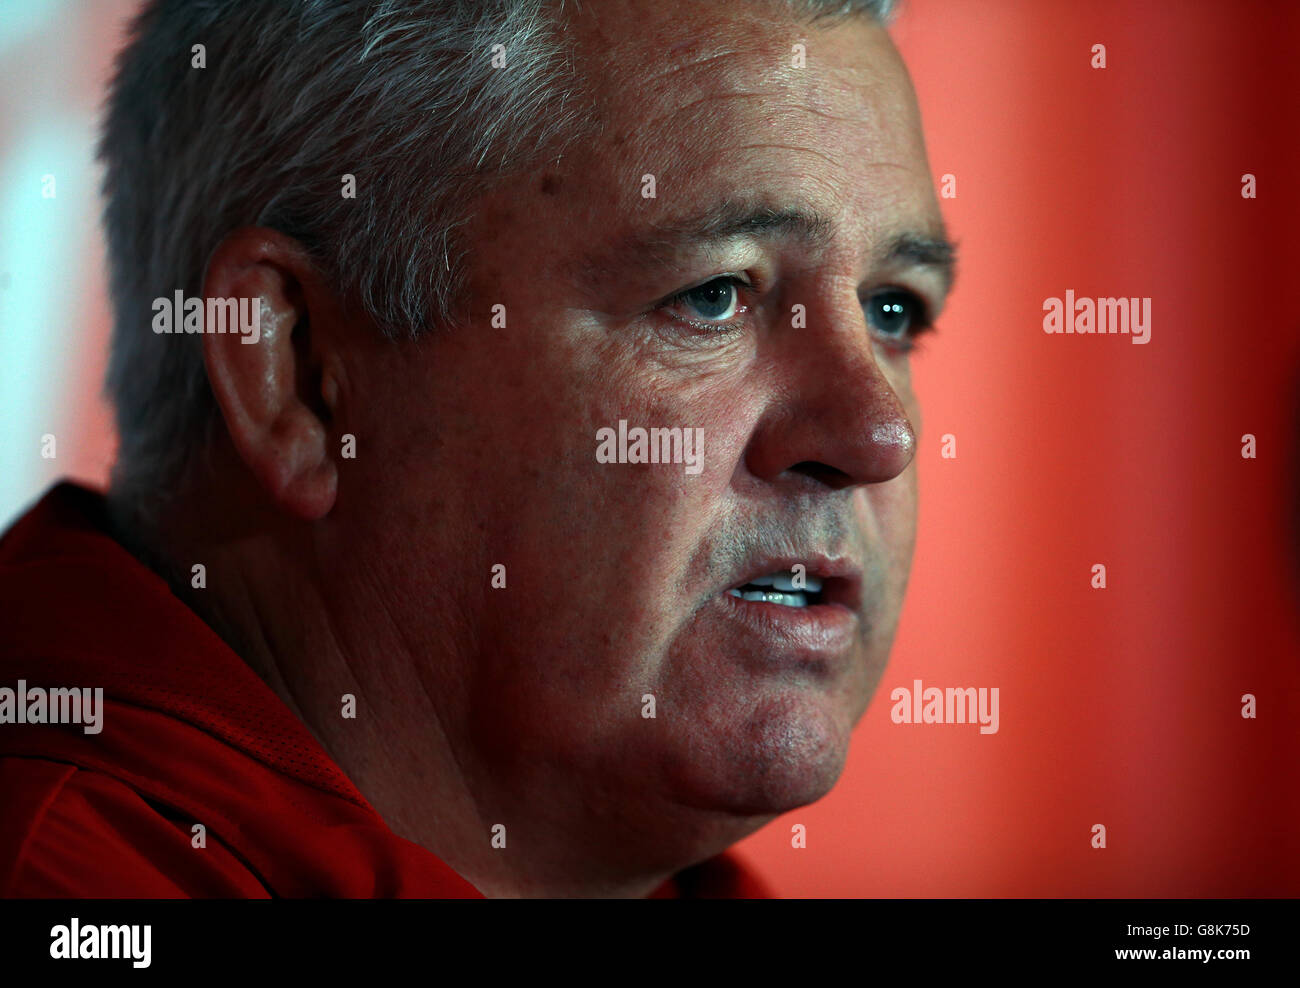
1119 706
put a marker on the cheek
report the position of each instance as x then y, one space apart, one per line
888 514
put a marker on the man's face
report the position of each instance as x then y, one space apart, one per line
781 192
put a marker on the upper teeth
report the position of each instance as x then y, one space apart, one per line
783 589
785 581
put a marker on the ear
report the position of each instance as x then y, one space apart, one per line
266 377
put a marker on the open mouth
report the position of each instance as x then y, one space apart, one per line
785 589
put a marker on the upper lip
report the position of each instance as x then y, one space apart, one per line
841 576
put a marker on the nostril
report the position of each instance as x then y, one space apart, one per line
828 475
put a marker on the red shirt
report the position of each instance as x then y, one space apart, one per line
190 735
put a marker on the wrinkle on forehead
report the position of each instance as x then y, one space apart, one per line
646 72
758 72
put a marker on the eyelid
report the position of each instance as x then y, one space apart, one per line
923 323
741 281
928 309
738 276
932 301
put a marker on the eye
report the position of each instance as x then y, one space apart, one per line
897 315
710 305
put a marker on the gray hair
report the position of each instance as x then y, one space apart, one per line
401 94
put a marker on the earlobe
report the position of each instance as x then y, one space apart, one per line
256 373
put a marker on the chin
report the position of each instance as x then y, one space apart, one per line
783 753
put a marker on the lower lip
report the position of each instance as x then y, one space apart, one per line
816 632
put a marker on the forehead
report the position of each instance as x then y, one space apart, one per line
717 102
710 101
648 65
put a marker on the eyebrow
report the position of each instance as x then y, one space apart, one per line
922 250
663 242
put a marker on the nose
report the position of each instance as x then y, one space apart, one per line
838 419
